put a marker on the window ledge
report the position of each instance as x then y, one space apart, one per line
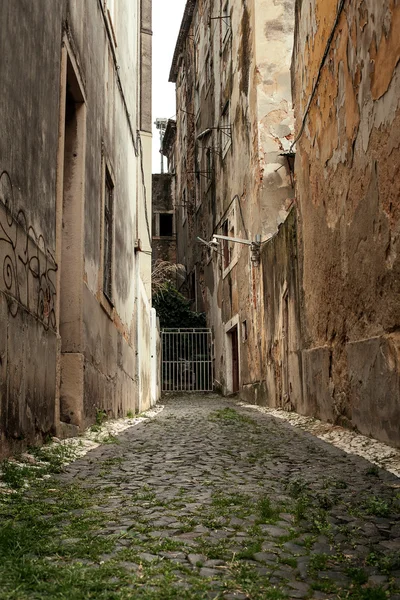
107 306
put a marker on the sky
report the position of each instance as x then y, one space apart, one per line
167 17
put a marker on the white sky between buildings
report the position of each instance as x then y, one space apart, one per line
167 18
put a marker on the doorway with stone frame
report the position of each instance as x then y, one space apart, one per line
70 240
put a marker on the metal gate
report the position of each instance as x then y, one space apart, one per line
187 360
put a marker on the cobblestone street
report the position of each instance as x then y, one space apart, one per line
209 500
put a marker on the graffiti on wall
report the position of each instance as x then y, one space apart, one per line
27 267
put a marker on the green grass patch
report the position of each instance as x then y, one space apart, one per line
230 415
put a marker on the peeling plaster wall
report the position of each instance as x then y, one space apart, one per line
348 191
240 66
282 357
274 27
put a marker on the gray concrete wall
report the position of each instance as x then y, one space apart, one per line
67 350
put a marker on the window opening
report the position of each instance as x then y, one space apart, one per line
226 249
166 224
244 331
225 130
226 21
108 235
209 163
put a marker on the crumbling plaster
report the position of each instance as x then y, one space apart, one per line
250 184
348 193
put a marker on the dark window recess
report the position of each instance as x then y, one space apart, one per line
108 237
227 259
193 286
244 331
209 163
166 225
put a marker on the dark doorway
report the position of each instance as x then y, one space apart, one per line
235 360
285 358
71 266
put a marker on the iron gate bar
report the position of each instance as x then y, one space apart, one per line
187 360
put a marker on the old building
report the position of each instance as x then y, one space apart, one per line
346 79
233 164
75 206
164 229
164 237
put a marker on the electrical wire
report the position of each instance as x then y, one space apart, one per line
316 84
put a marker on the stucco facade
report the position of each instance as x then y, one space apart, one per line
234 125
75 200
346 80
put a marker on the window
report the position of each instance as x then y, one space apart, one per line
108 235
208 71
226 248
226 21
244 331
197 100
229 247
166 225
225 130
184 207
197 48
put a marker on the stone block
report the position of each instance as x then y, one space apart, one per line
317 398
374 374
71 391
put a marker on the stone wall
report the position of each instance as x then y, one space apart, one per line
346 80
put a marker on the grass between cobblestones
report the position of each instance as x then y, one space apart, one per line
62 540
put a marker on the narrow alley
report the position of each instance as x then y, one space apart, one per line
207 500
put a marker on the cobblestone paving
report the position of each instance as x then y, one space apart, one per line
212 500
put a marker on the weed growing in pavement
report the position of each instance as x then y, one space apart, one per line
249 550
357 575
266 511
130 414
297 487
364 593
376 506
15 475
101 417
324 585
301 507
288 560
385 563
319 522
318 562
